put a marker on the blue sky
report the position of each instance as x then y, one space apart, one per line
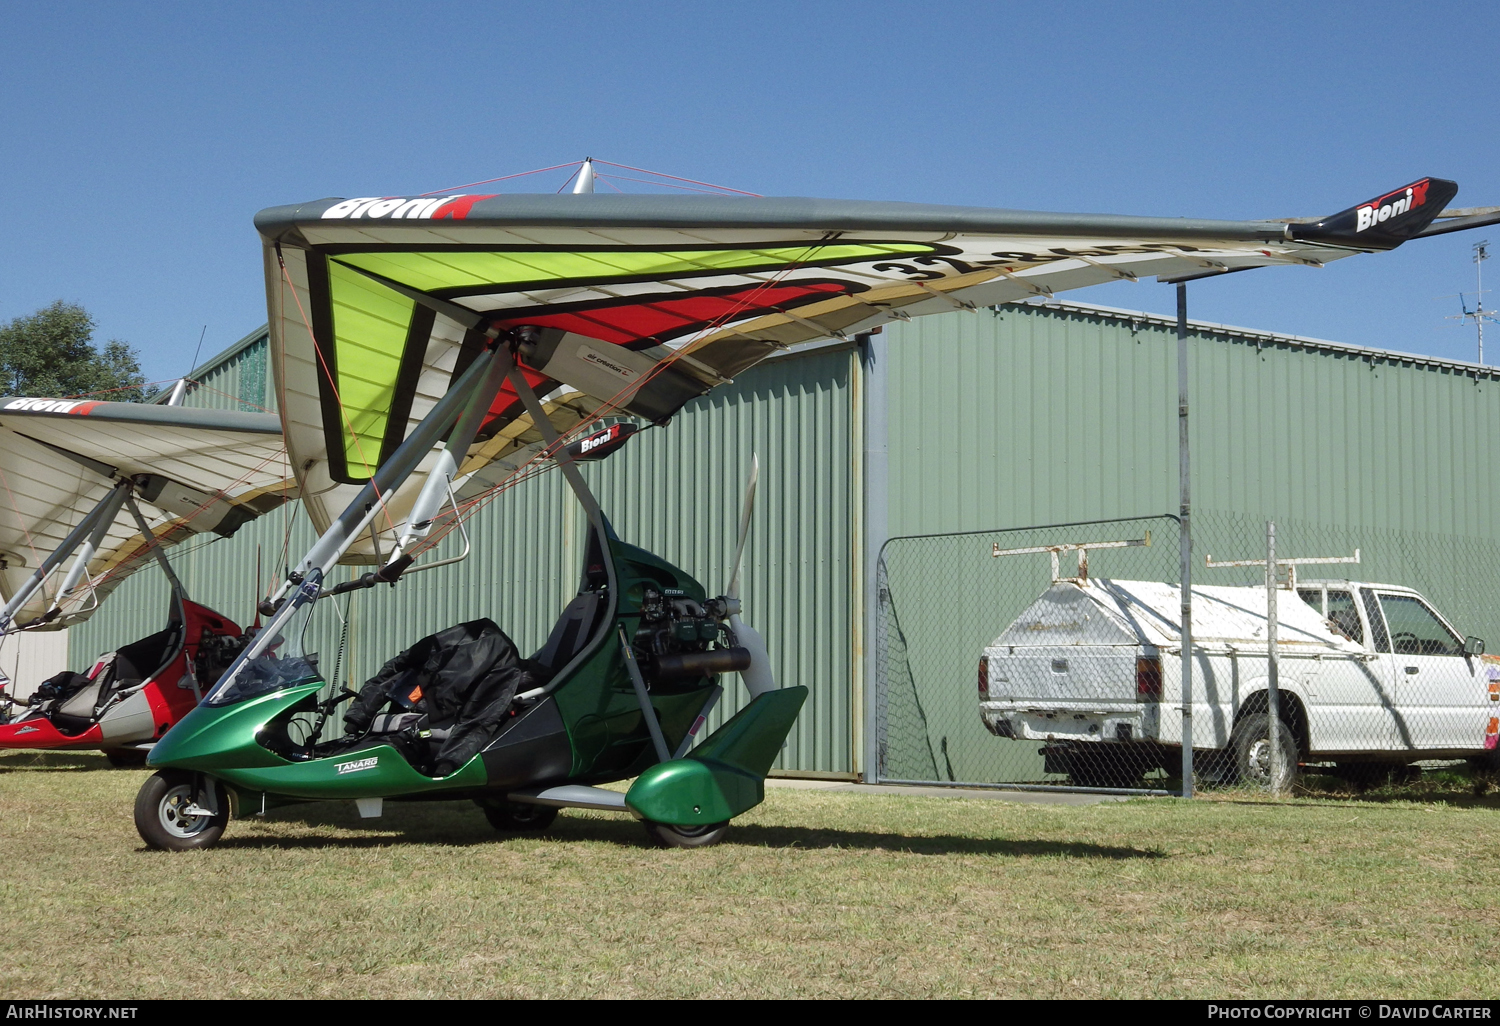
138 141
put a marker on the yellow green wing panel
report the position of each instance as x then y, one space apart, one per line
437 271
370 325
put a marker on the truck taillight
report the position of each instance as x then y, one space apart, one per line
984 677
1148 678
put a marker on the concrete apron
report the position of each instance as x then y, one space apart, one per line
1031 797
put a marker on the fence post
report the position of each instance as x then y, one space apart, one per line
1185 541
873 356
1273 666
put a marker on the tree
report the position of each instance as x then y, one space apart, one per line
52 353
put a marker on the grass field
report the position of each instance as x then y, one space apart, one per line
814 894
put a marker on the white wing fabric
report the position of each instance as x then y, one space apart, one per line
196 471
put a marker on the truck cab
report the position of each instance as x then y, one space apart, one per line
1369 674
1428 678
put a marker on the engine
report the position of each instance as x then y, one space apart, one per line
215 654
680 639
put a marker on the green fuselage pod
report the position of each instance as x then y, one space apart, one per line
216 739
590 728
229 743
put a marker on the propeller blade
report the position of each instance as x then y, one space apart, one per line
757 676
733 591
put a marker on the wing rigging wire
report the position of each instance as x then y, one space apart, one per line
646 181
658 174
579 163
286 517
610 406
502 178
205 387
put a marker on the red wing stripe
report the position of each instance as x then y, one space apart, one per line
662 320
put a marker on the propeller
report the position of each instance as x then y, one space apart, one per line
757 676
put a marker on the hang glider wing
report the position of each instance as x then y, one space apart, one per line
645 302
195 470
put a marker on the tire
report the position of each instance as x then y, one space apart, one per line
512 816
159 816
126 758
1250 745
669 836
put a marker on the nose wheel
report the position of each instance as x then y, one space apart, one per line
670 836
168 816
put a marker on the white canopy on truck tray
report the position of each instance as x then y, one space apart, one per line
1110 612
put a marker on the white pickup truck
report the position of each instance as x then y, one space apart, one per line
1370 676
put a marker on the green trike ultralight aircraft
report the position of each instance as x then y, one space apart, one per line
415 342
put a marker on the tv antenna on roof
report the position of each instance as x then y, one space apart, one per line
1478 315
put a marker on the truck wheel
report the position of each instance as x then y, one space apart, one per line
126 758
162 815
1251 745
669 836
511 816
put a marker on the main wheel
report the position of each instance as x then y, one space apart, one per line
1251 745
519 815
166 817
126 758
670 836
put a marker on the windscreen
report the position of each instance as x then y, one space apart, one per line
277 658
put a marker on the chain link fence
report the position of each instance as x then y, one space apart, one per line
1050 656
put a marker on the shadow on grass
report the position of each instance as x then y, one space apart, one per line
53 762
762 836
461 825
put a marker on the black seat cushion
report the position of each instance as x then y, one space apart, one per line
463 678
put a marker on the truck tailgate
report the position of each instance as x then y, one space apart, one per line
1070 675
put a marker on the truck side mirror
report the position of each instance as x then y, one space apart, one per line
1473 646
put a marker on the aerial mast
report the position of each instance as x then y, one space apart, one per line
584 183
1479 315
1481 254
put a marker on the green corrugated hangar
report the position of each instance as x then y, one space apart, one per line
1029 414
